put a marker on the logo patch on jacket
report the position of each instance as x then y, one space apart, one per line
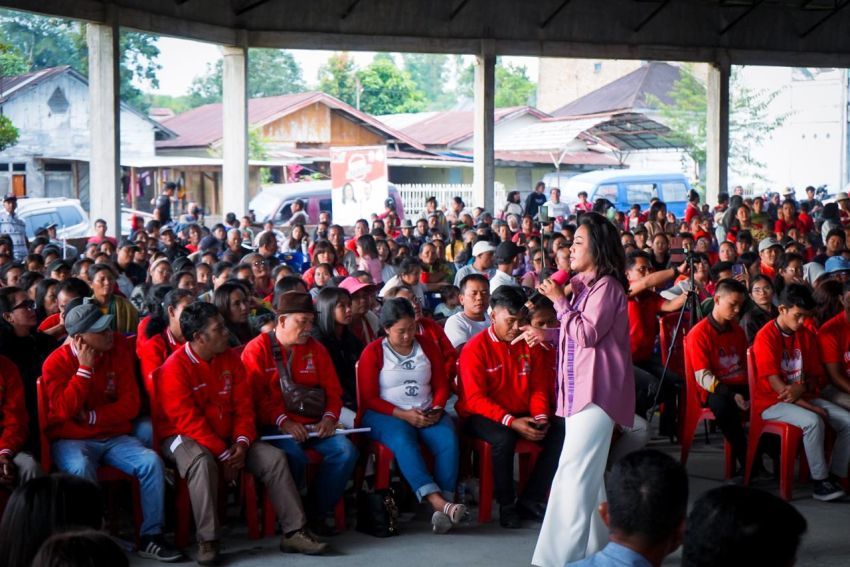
226 383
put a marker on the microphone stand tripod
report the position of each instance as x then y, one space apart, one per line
691 305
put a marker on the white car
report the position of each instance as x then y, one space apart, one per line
72 221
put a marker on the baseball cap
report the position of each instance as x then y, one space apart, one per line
10 197
209 242
353 285
837 264
766 243
506 252
126 243
482 247
58 265
86 318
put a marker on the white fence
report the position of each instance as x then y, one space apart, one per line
414 194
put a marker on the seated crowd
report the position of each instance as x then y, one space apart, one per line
409 329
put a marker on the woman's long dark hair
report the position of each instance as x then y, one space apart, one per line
45 506
605 247
41 290
325 304
827 297
159 310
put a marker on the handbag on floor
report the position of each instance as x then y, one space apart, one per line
377 513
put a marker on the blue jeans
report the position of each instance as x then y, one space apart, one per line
143 431
81 457
339 456
403 440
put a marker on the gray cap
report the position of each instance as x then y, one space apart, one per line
86 318
768 243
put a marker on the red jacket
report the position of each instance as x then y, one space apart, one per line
311 366
209 402
500 381
369 376
14 420
108 392
49 322
154 351
435 332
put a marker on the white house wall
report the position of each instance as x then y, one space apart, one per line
45 134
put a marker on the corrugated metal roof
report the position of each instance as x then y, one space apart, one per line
548 135
202 126
450 127
626 93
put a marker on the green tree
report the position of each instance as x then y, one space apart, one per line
12 62
49 42
177 104
513 86
270 72
386 89
8 133
430 72
751 121
338 78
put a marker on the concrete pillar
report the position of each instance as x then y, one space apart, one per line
717 131
484 172
235 131
104 125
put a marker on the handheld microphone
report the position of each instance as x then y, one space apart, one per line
561 277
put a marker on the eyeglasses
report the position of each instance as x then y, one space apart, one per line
762 289
28 304
259 263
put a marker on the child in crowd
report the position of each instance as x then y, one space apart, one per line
788 387
368 258
322 277
450 304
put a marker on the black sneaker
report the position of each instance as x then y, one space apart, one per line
509 517
827 491
530 510
155 547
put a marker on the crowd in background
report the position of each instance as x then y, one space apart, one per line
409 327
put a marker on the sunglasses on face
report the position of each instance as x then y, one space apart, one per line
28 304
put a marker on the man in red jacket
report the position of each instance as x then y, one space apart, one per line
92 400
206 420
504 395
290 349
16 466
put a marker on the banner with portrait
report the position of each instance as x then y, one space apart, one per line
359 182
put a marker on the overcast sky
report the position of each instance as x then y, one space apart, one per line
183 60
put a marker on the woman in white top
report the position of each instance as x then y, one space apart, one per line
403 389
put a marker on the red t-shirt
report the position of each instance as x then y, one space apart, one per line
690 212
723 352
767 271
834 341
791 357
643 323
781 227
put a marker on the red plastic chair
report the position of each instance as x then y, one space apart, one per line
693 412
528 453
791 440
183 503
666 326
105 473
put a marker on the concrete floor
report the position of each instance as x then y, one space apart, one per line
826 543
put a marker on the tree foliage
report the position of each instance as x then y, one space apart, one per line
751 121
430 73
8 133
43 42
271 72
338 78
513 85
386 89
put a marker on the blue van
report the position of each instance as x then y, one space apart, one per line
625 188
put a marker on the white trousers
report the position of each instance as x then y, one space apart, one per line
572 528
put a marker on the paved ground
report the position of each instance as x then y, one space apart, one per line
825 545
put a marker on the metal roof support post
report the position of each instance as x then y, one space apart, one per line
717 131
235 131
484 169
104 123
